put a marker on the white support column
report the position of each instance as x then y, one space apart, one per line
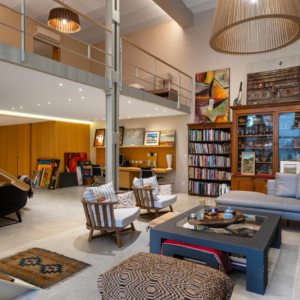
179 83
112 43
23 49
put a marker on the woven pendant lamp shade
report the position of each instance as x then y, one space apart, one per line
64 20
255 26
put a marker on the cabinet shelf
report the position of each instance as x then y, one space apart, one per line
260 162
260 123
210 141
255 147
252 135
289 147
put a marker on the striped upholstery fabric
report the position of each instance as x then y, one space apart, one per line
106 190
153 182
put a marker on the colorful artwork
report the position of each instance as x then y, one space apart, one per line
212 96
134 137
152 160
99 137
167 138
248 163
152 138
290 167
121 134
72 159
274 86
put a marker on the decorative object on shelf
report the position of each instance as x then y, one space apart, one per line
167 138
228 213
64 20
236 25
121 134
152 138
248 163
134 137
238 100
213 209
290 167
152 160
297 142
277 87
99 137
212 96
169 161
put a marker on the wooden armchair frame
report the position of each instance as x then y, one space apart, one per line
106 230
142 201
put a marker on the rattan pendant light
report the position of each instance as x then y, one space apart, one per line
255 26
64 20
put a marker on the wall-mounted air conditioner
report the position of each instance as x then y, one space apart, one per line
47 35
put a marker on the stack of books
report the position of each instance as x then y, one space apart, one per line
208 135
197 173
236 260
209 161
209 148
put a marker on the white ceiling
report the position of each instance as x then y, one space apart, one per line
9 120
26 88
135 14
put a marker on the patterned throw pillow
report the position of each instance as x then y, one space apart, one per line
153 182
107 190
138 183
125 200
165 189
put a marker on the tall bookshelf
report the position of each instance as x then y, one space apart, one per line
209 160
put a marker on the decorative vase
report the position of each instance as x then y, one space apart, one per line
169 161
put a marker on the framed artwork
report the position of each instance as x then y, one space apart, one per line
212 96
121 134
152 160
99 137
72 159
290 167
248 163
152 138
167 138
273 86
134 137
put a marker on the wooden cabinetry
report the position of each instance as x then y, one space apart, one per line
209 164
272 131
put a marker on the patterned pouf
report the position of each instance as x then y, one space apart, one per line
151 276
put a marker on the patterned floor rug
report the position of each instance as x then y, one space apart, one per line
41 268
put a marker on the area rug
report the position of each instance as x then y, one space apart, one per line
41 268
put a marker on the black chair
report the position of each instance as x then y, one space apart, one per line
12 199
147 173
98 174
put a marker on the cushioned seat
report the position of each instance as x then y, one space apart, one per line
164 201
151 276
291 204
126 216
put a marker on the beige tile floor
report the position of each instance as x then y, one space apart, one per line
54 220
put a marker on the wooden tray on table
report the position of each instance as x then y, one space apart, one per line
218 221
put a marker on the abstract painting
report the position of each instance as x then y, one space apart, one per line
212 96
152 138
121 134
167 138
134 137
273 86
72 159
99 137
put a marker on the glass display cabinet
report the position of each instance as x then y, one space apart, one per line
268 133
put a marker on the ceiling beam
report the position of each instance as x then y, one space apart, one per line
178 11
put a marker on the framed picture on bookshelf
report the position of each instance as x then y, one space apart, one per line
99 137
152 138
121 135
248 163
290 167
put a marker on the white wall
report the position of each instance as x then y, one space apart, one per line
189 51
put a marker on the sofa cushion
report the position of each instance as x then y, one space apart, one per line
271 187
286 185
291 205
251 200
165 189
298 186
125 216
107 190
138 183
125 200
153 182
164 201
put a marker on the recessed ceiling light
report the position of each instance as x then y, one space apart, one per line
103 119
164 111
61 84
80 90
21 106
13 108
253 1
129 101
64 21
158 114
38 104
95 119
70 99
147 115
119 117
82 97
48 102
128 117
156 108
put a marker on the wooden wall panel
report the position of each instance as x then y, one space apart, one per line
8 150
43 141
24 145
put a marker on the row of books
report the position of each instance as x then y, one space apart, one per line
208 135
197 173
236 260
209 148
209 161
205 188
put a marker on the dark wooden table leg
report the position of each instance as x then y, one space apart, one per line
257 272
